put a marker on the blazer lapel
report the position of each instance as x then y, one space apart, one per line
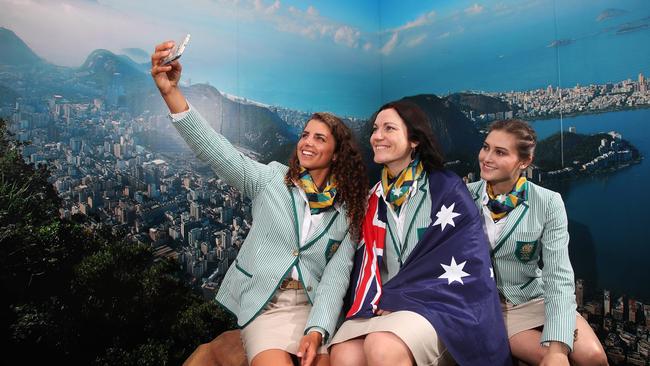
414 207
476 194
512 221
328 219
298 212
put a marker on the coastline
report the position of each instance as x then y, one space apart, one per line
587 113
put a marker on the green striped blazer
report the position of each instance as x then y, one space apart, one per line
536 228
272 246
417 220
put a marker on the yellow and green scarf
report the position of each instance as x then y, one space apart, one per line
396 189
318 201
500 205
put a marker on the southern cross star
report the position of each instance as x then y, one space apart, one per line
454 272
446 216
397 191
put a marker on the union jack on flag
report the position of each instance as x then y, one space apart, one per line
367 287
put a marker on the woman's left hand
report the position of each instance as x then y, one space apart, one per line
308 347
382 312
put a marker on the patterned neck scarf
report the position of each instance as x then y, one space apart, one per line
318 201
500 205
396 189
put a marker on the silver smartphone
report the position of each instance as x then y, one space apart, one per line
177 51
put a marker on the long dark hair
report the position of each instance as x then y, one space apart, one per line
349 170
418 130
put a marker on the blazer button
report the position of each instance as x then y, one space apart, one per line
308 288
295 252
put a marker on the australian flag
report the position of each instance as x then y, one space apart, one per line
447 278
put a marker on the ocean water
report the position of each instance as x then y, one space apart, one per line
609 214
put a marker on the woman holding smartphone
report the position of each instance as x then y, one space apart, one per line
286 286
525 223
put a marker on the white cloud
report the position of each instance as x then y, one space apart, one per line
422 20
444 35
416 40
390 45
367 46
311 11
260 6
347 36
474 9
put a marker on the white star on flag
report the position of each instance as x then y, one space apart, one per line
396 191
446 216
454 272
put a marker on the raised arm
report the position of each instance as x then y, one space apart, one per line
231 165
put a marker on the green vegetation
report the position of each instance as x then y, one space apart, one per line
72 295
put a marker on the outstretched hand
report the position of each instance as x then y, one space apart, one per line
308 348
165 76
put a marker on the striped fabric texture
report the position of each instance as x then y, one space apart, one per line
272 246
417 219
537 228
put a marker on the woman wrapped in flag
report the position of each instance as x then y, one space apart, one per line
525 223
287 284
422 290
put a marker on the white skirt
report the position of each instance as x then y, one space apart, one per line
280 326
412 328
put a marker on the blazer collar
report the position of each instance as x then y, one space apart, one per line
299 201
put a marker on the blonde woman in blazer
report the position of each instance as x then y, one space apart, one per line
525 223
292 271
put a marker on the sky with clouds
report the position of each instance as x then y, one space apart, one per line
345 56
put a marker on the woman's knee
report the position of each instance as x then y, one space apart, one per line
589 355
349 353
384 348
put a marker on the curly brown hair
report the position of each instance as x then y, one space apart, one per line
349 170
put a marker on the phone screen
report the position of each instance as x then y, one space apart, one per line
177 51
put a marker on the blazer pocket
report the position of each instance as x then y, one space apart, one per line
331 248
243 271
526 251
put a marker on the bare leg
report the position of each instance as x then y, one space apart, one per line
349 353
384 348
272 357
526 347
587 349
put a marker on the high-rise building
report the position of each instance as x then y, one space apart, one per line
195 210
632 310
223 239
606 303
643 86
580 292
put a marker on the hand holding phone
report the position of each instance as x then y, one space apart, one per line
176 51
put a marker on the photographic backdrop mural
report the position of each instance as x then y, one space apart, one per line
74 82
